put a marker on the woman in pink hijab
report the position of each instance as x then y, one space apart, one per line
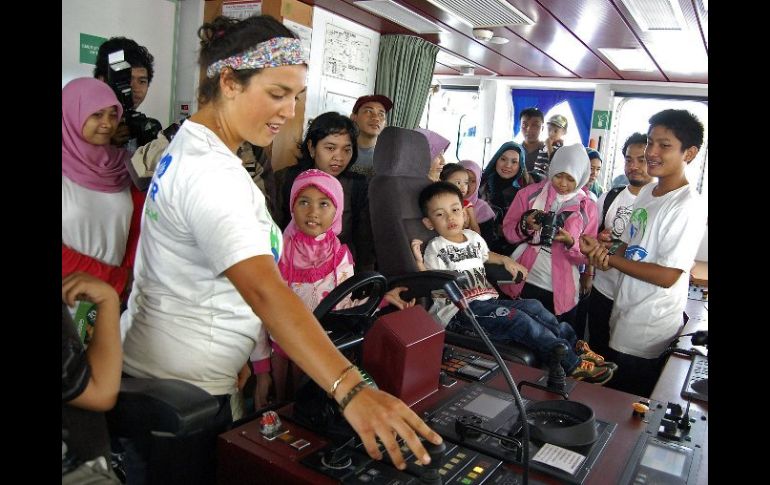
99 220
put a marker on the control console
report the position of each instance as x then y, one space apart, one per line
450 464
696 386
487 420
669 451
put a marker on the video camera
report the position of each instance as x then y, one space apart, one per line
140 127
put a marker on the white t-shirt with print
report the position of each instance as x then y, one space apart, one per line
203 214
466 257
667 231
617 217
95 223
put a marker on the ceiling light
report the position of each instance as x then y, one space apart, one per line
498 40
628 59
467 70
483 34
656 14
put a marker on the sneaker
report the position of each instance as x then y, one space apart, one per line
587 371
585 353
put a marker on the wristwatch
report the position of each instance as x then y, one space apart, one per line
614 247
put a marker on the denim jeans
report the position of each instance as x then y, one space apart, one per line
525 322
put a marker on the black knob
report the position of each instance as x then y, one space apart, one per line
430 473
436 453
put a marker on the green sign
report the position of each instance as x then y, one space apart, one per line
89 46
601 120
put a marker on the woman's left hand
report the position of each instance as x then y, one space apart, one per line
394 298
564 237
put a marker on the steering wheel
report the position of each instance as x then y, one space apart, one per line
351 320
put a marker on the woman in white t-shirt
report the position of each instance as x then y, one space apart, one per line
206 283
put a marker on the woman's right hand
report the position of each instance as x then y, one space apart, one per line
532 225
376 414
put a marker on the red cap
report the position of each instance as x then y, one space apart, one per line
377 98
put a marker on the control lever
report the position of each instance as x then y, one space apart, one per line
430 473
338 457
557 378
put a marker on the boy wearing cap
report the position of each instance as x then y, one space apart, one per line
370 116
557 128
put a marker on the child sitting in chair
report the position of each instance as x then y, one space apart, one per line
524 321
314 261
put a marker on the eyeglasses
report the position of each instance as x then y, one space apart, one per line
374 113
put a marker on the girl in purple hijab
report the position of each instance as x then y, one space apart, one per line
438 145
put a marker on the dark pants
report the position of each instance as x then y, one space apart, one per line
546 298
599 311
634 375
522 321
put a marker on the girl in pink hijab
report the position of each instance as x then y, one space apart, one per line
99 220
314 261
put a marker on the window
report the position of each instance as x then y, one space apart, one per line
632 114
563 108
453 113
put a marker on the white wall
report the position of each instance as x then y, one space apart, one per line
318 84
149 22
187 50
496 121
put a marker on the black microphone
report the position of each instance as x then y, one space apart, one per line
457 297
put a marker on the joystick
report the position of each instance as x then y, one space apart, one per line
338 457
557 378
430 472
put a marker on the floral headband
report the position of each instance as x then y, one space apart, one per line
278 51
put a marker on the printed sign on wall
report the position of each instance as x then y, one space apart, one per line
346 55
601 120
89 46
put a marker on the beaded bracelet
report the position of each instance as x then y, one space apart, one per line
351 394
340 379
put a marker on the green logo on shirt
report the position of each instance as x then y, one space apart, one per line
638 221
275 242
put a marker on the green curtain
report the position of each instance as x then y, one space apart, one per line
404 72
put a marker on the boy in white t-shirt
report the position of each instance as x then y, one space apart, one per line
659 247
525 321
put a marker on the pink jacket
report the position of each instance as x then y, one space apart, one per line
583 220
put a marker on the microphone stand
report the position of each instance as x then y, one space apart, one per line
454 293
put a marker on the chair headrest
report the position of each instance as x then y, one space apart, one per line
401 152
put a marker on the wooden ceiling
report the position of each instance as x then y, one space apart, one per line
563 43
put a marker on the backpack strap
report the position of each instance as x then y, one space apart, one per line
611 195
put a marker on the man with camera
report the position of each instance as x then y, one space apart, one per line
128 68
129 74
